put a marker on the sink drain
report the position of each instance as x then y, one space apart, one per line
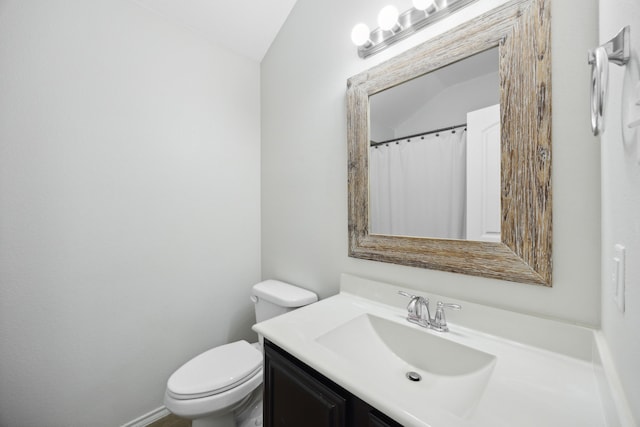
413 376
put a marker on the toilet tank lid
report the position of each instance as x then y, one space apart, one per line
283 294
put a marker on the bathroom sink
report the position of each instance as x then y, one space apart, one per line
451 375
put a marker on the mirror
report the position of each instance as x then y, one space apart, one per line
521 252
434 155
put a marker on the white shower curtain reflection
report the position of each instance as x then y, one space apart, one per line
417 187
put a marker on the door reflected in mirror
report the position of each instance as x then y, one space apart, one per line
434 155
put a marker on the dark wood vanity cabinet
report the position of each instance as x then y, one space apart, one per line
296 395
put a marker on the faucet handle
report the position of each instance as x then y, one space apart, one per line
417 309
411 307
407 294
449 305
413 297
439 322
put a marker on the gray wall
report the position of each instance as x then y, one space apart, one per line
129 207
304 162
621 199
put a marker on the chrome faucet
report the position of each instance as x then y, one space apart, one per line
418 312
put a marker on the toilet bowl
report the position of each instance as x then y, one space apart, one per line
215 384
222 387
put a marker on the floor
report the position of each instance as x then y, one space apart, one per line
171 421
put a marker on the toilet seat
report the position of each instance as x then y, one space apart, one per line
215 371
227 401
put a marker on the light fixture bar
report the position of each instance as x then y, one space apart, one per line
410 22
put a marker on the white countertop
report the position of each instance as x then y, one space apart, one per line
529 385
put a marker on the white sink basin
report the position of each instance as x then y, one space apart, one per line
453 376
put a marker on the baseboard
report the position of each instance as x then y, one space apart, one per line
616 406
148 418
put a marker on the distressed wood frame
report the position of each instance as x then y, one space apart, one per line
521 29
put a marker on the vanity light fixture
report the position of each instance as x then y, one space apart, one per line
394 26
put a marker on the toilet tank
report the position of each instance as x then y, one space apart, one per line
273 298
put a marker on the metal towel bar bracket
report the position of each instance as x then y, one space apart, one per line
618 51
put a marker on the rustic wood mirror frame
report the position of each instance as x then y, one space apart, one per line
521 30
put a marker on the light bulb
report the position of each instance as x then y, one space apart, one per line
360 34
388 18
423 4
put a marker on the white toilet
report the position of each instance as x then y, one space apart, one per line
222 387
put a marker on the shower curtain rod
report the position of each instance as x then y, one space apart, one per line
375 144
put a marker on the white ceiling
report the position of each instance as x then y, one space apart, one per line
247 27
392 107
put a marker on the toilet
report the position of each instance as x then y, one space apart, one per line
222 387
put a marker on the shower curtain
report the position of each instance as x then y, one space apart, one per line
417 187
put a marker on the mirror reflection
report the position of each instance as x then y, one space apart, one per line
434 155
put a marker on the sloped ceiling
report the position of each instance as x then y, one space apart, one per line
247 27
392 107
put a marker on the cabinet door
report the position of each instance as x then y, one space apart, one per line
293 398
376 419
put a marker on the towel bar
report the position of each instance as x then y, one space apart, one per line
617 51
